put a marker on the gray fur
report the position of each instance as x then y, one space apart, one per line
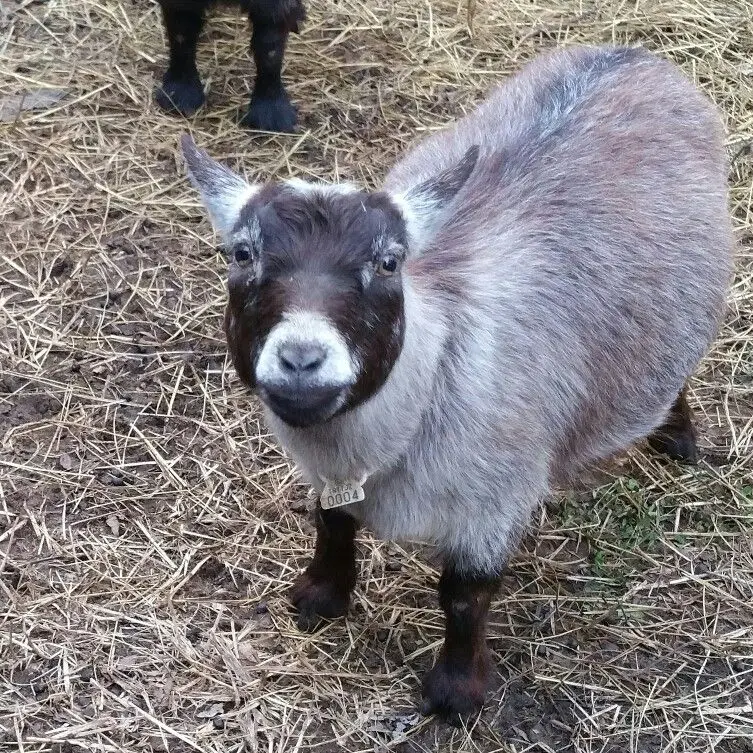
577 282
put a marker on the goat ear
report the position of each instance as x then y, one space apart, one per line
223 192
423 205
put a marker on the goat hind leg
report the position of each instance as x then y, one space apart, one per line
676 437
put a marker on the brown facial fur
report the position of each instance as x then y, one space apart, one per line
311 257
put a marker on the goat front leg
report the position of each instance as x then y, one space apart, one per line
457 684
270 108
324 588
181 90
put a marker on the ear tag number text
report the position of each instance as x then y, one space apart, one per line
337 494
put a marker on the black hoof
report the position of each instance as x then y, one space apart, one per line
678 443
317 601
681 449
453 694
676 437
180 96
270 114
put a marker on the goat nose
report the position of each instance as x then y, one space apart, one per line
301 357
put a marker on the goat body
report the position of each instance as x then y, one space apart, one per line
181 90
527 294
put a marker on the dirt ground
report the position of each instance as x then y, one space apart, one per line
150 527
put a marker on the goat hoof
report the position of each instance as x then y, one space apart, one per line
676 437
317 600
679 446
270 114
180 96
453 694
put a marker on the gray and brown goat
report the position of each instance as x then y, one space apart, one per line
527 294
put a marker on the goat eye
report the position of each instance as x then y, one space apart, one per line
388 266
242 254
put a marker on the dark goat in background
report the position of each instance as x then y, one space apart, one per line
181 90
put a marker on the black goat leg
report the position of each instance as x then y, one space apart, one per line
457 684
270 108
323 590
181 90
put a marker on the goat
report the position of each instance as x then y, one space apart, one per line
527 294
181 90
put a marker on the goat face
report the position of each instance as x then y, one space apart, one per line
315 316
315 313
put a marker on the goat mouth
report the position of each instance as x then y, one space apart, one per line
303 408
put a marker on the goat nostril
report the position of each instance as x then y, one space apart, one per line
301 357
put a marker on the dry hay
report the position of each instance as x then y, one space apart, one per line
149 528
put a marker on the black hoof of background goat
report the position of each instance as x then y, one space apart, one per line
276 114
681 448
180 96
